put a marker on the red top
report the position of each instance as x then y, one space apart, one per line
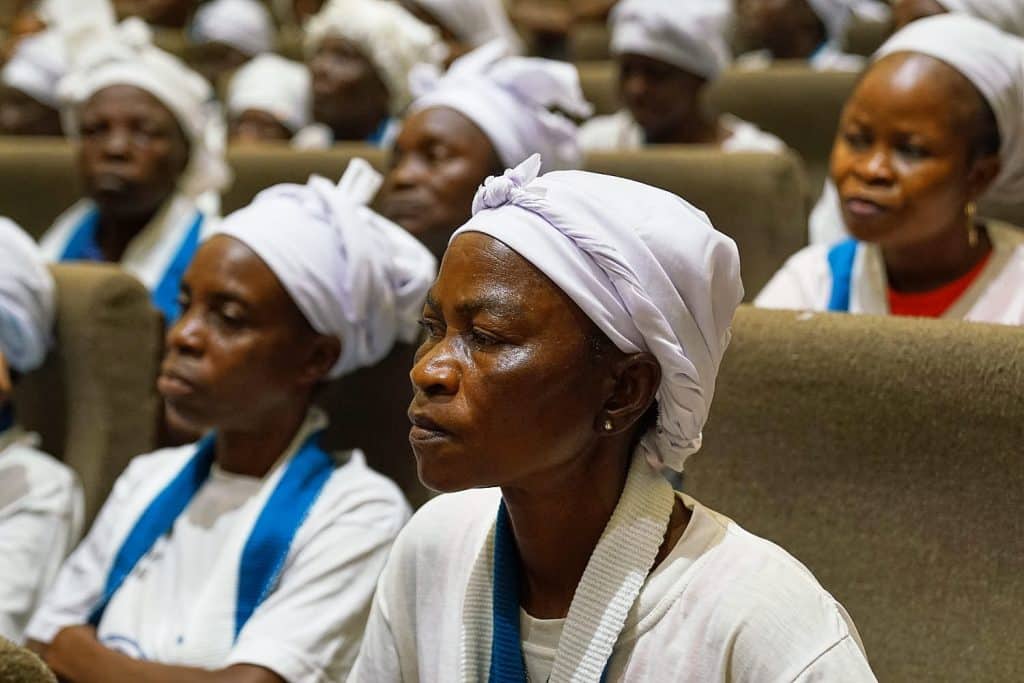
936 302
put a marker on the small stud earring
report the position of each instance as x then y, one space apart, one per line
608 426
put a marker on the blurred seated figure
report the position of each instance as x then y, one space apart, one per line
935 125
360 53
41 504
1006 14
667 54
295 12
29 104
146 154
252 555
466 24
487 113
157 13
230 33
268 100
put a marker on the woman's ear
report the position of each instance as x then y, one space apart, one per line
637 376
321 356
982 173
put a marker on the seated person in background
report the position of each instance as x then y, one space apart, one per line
466 24
28 102
41 502
230 33
1006 14
806 30
157 13
295 13
145 156
934 125
252 555
573 339
19 665
487 113
268 100
667 54
360 53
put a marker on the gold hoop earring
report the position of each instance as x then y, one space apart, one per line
608 426
971 211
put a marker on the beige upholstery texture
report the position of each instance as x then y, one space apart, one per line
600 83
757 199
38 180
884 453
94 401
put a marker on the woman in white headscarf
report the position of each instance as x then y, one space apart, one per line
935 126
253 553
268 100
229 33
149 147
573 338
29 104
1005 14
41 503
487 113
466 24
360 54
668 53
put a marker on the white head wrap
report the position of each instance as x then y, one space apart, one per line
647 267
509 99
243 24
352 273
474 22
27 303
37 66
124 55
1006 14
994 62
392 39
689 34
275 85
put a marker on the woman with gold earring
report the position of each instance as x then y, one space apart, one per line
935 124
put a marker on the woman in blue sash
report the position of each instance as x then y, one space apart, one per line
251 555
573 338
146 154
934 128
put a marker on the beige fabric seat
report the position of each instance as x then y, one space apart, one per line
38 180
94 401
885 453
757 199
599 81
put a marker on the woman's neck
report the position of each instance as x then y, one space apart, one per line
115 232
253 452
926 266
696 130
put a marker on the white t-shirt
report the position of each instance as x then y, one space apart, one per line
619 131
725 605
307 630
828 57
41 511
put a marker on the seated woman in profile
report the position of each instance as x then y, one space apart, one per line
143 128
934 126
268 100
252 555
668 53
41 503
573 339
1006 14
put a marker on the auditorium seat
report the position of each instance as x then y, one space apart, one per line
589 41
885 453
37 181
599 81
864 36
757 199
94 401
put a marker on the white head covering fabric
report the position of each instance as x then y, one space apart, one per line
243 24
353 274
474 22
37 66
392 39
275 85
1006 14
27 300
647 267
692 35
994 62
509 99
835 15
103 56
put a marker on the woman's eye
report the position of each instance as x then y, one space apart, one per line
480 338
432 328
438 153
914 151
855 139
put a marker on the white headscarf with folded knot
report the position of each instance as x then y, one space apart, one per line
647 267
36 67
275 85
474 22
27 300
689 34
1006 14
352 273
510 100
106 55
991 60
243 24
386 34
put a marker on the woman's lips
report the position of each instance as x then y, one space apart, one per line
425 429
173 385
864 208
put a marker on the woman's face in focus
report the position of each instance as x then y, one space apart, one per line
908 11
439 160
241 348
132 151
347 90
507 386
902 161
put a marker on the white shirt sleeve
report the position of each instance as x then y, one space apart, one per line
842 663
378 657
804 283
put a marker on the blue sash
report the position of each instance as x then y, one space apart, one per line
840 263
83 247
268 544
6 418
507 664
